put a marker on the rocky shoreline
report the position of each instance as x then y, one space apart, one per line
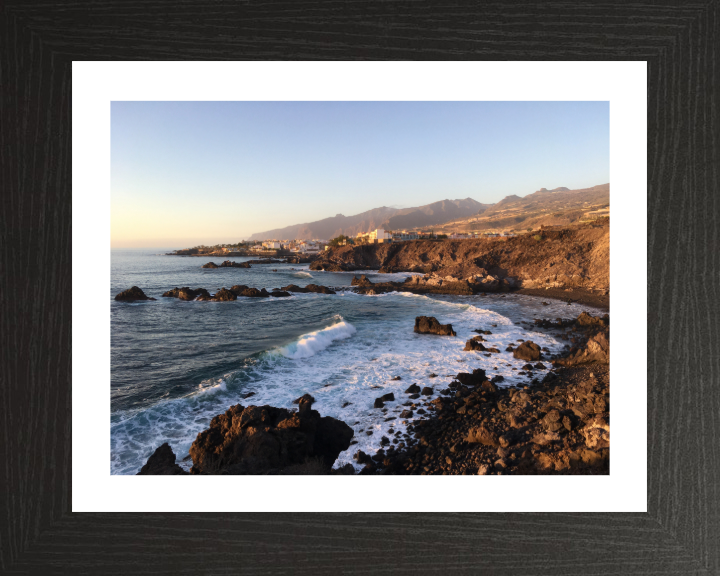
556 258
557 424
363 285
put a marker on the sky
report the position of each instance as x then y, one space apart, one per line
189 173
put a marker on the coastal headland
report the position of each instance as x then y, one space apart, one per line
553 262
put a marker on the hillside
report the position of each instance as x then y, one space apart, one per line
330 227
435 213
556 207
390 218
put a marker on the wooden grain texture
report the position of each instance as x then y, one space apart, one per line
681 532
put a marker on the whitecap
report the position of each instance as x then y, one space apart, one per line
312 343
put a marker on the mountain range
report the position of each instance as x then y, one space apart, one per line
559 204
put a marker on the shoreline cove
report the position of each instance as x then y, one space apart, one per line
346 339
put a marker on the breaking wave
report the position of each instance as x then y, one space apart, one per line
312 343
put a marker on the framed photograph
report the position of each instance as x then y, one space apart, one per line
418 378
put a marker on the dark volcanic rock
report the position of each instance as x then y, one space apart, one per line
161 463
475 379
427 391
413 389
224 295
597 350
483 435
254 293
362 281
586 319
474 343
379 403
227 264
269 261
527 351
280 294
430 325
305 397
361 458
132 294
315 288
268 440
187 293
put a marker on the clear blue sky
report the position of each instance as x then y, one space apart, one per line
186 173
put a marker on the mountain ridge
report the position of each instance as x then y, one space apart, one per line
439 213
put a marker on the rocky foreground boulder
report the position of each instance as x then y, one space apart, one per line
268 440
430 325
132 294
161 463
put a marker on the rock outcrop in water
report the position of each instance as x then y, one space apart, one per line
131 295
527 351
315 288
187 293
227 264
268 440
247 292
268 261
161 463
430 325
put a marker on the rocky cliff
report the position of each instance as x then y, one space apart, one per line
576 257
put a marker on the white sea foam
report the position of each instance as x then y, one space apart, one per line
312 343
212 386
302 274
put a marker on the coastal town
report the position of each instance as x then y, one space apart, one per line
285 247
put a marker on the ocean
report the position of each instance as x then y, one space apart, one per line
175 364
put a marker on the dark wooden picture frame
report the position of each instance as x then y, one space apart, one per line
680 533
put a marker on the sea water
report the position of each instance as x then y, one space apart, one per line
176 364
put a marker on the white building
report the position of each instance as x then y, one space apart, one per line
272 245
308 247
403 236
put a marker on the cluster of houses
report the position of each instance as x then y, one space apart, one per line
471 235
377 236
298 246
